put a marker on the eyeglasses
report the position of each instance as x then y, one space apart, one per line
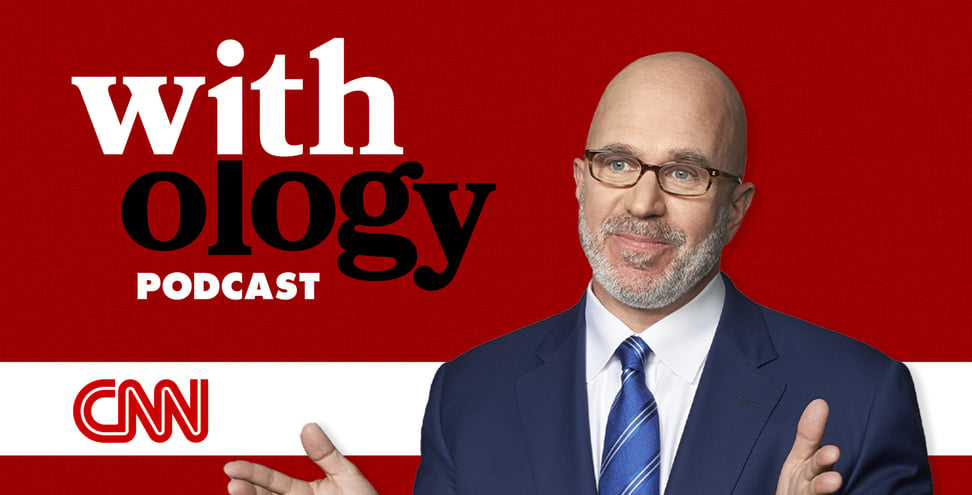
618 169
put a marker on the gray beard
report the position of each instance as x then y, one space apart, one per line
685 272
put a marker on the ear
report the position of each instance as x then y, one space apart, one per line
580 170
742 196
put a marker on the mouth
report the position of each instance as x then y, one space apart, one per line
641 252
642 232
640 244
641 240
632 242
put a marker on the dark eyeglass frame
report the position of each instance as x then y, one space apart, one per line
712 172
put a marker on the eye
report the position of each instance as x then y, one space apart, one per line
618 165
684 172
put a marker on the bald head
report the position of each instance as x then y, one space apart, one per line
652 250
669 103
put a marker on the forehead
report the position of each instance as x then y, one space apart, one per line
658 119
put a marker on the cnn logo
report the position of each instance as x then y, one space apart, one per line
134 406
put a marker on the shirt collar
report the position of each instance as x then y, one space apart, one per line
680 340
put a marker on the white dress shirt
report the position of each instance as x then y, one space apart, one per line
679 344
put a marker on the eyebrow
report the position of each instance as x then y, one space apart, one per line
677 154
620 148
689 155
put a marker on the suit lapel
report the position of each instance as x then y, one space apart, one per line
554 411
732 404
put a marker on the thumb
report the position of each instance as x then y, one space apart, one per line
810 430
320 450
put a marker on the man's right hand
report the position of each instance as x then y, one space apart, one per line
343 478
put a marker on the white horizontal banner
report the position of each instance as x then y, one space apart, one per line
259 408
253 408
946 408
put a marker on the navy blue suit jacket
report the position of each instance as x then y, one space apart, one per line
510 416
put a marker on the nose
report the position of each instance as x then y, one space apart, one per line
646 199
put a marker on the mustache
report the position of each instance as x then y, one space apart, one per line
654 228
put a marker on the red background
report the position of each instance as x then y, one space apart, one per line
859 142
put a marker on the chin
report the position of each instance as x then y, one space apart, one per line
636 286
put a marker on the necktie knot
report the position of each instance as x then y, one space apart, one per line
633 353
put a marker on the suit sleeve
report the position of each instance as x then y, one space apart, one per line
436 474
893 457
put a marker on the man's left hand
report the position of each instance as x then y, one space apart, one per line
808 469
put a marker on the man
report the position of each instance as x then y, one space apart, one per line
550 409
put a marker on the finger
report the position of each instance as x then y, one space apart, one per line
810 430
826 483
822 461
259 475
320 450
240 487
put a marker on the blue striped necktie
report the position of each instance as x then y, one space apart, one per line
629 465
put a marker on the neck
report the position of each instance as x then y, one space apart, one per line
638 319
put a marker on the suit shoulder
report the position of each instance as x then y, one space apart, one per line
518 346
804 343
